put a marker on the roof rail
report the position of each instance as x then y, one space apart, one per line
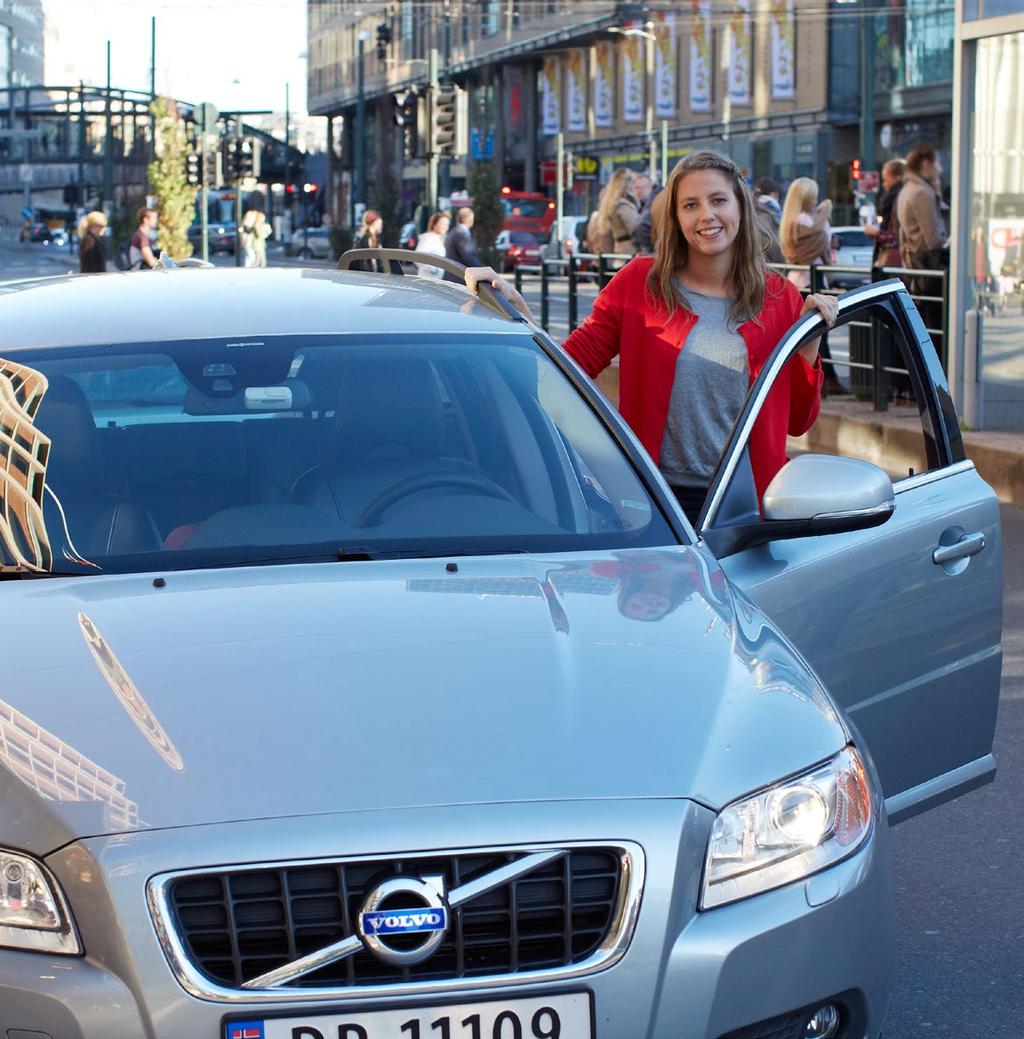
395 258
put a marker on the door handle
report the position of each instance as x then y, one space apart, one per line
968 545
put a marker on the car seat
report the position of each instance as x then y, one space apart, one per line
97 523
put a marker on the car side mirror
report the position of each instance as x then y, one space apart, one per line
810 496
830 493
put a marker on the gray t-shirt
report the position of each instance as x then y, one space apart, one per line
711 381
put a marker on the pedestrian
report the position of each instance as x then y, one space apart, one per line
92 257
646 192
459 245
922 231
140 250
255 230
433 241
804 231
886 232
768 202
606 219
623 218
369 234
692 327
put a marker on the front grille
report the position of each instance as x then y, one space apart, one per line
236 925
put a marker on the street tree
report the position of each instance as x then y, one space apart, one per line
175 197
482 185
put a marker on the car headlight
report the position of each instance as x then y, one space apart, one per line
33 914
789 831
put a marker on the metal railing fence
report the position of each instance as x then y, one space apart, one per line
872 353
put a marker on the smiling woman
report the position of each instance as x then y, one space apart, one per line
693 326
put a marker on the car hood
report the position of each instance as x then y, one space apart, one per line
289 690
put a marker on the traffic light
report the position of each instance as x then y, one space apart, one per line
193 168
230 156
248 158
383 39
71 194
407 113
211 177
443 119
855 170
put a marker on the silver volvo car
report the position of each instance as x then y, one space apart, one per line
363 680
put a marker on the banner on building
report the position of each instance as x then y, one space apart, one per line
739 53
551 96
665 65
632 79
604 84
576 93
700 56
783 35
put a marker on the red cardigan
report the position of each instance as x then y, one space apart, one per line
627 321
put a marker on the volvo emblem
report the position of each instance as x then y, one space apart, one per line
401 907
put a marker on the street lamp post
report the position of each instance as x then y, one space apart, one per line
359 194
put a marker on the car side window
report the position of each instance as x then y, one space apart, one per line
875 405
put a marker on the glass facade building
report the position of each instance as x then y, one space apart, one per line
987 365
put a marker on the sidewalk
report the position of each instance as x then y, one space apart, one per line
998 457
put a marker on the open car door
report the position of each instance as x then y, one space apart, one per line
901 620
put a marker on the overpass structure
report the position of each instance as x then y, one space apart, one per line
68 147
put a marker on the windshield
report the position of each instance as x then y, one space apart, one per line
851 239
534 209
216 452
522 238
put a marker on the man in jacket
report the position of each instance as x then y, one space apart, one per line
458 244
767 200
922 229
646 192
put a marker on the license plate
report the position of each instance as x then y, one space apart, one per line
546 1017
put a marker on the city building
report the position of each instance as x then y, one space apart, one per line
986 362
22 34
621 82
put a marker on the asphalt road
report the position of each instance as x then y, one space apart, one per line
957 869
958 872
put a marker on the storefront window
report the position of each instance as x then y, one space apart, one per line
996 258
914 44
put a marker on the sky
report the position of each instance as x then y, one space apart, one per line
233 53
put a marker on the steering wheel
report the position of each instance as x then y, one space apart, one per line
425 482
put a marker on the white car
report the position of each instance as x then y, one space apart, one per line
851 247
570 237
311 243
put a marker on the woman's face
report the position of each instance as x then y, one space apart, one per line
441 227
708 212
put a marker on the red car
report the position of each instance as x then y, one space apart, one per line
518 247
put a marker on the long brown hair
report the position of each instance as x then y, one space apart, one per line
671 251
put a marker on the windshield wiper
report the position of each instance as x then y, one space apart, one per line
31 575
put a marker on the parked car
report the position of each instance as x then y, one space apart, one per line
516 247
364 678
311 243
570 238
851 247
56 236
220 238
408 235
